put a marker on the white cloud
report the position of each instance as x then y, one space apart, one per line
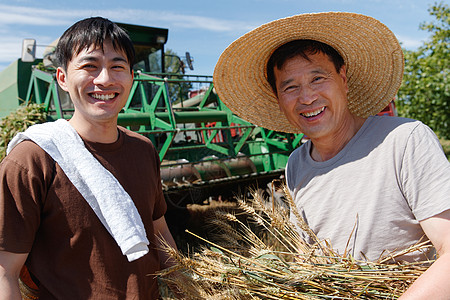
11 45
45 24
175 20
410 43
24 19
19 15
10 50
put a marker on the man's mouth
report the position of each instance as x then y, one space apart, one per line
313 113
103 97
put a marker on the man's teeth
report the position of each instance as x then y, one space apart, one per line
103 97
313 113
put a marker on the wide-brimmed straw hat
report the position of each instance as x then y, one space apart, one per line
371 53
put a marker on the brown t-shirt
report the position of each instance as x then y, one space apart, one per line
70 252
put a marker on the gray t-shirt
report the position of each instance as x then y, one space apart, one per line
370 197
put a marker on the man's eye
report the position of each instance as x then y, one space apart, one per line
290 88
318 78
88 66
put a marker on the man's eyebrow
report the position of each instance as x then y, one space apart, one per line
285 82
88 58
319 71
314 72
92 58
120 59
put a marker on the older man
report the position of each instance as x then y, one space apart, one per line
369 185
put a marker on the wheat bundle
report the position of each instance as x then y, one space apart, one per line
266 258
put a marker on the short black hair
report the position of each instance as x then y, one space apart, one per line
89 32
301 48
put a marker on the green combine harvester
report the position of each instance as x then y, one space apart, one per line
205 150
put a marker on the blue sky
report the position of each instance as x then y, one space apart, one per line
204 28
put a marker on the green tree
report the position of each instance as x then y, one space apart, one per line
425 91
18 121
178 89
174 64
174 71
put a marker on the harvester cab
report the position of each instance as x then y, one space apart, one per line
205 150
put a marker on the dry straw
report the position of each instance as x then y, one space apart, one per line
260 255
371 52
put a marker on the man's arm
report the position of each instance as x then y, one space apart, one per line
10 266
434 283
162 231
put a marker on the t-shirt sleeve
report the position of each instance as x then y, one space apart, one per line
425 174
160 203
22 184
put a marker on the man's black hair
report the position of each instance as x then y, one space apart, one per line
95 32
302 48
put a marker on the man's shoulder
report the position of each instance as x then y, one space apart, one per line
27 154
136 138
27 148
396 135
389 121
132 134
392 126
392 121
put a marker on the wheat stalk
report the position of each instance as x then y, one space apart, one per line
272 261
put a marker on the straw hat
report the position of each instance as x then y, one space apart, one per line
371 52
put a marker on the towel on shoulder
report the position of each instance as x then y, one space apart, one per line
106 196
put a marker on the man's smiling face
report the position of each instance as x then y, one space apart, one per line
313 95
98 81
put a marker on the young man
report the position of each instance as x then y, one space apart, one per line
81 203
369 185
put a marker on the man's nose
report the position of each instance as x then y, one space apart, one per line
307 95
103 77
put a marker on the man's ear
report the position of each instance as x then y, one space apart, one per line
61 77
343 75
279 106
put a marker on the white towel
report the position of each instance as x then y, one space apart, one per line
111 203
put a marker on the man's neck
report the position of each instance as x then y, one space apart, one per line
105 133
325 148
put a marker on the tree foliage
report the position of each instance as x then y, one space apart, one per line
175 67
425 91
18 121
174 71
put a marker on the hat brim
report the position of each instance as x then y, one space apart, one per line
372 55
